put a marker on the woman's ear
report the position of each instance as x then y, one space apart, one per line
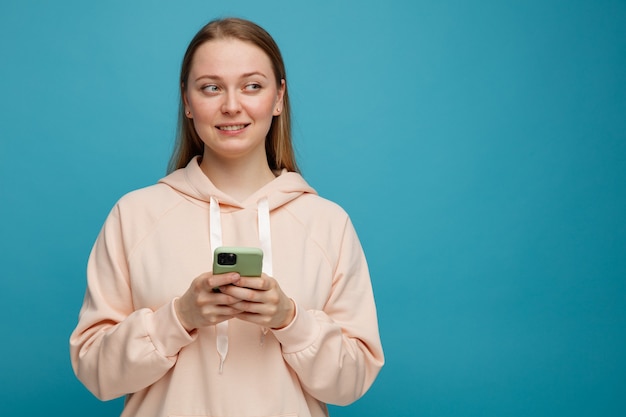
279 99
183 94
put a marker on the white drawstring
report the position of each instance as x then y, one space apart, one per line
216 241
265 237
265 234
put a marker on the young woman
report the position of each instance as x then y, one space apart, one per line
160 328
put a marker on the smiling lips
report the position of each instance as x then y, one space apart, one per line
231 128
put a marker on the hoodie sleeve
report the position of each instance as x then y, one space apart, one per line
337 352
114 349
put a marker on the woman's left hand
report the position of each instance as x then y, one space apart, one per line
263 302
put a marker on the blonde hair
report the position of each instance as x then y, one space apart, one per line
278 144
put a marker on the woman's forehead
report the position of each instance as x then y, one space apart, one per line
221 57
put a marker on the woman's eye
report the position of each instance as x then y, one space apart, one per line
253 87
210 88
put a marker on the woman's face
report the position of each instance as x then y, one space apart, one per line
232 96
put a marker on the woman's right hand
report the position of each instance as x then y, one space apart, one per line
202 306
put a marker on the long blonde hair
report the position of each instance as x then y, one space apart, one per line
278 144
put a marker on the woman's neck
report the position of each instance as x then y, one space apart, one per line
237 178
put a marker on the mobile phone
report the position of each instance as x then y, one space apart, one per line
247 261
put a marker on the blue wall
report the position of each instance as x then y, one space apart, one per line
480 148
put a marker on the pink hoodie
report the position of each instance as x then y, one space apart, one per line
156 240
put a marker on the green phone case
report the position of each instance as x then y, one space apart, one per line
248 261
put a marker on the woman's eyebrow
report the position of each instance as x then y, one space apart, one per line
242 76
252 74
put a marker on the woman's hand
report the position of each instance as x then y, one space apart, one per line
262 302
202 306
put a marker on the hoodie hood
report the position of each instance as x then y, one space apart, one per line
194 184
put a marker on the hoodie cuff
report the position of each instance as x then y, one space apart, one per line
300 333
166 332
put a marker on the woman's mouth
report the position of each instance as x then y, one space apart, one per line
230 128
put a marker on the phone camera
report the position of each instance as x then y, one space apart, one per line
226 258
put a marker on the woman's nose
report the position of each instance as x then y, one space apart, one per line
231 104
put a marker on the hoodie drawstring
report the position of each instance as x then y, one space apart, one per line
265 237
216 241
265 234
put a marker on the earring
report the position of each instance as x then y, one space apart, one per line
188 113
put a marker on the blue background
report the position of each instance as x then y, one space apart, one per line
480 148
